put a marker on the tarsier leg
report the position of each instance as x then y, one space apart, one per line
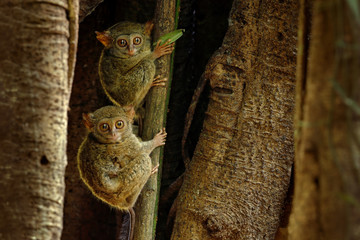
159 82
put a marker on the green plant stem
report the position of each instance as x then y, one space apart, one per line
157 102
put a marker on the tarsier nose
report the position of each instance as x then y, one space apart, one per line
131 51
113 133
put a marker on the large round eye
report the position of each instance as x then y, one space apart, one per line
104 127
119 124
122 42
137 40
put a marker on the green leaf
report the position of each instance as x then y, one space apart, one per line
173 36
354 6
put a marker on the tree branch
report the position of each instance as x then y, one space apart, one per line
155 118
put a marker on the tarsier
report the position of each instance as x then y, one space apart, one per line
112 161
126 65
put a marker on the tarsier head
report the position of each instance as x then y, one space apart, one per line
126 39
109 124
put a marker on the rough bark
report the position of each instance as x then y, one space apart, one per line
237 181
38 45
326 168
155 115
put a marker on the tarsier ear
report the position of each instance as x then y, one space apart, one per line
148 28
87 120
130 112
104 38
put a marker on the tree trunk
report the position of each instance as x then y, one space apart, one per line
38 45
237 181
155 115
326 200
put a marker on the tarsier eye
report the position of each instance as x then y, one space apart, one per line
104 127
137 41
122 42
119 124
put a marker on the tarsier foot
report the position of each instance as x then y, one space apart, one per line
159 82
155 169
160 138
164 49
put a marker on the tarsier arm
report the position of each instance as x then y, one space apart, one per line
158 140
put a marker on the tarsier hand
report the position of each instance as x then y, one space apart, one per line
164 49
160 138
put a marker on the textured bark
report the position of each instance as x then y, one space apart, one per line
38 45
326 168
155 115
237 181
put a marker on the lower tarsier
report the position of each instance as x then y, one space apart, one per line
113 162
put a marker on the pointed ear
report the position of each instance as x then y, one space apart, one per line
104 38
130 112
88 120
148 28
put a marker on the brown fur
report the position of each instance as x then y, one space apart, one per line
115 172
127 78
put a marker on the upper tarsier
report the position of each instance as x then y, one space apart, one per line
126 65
